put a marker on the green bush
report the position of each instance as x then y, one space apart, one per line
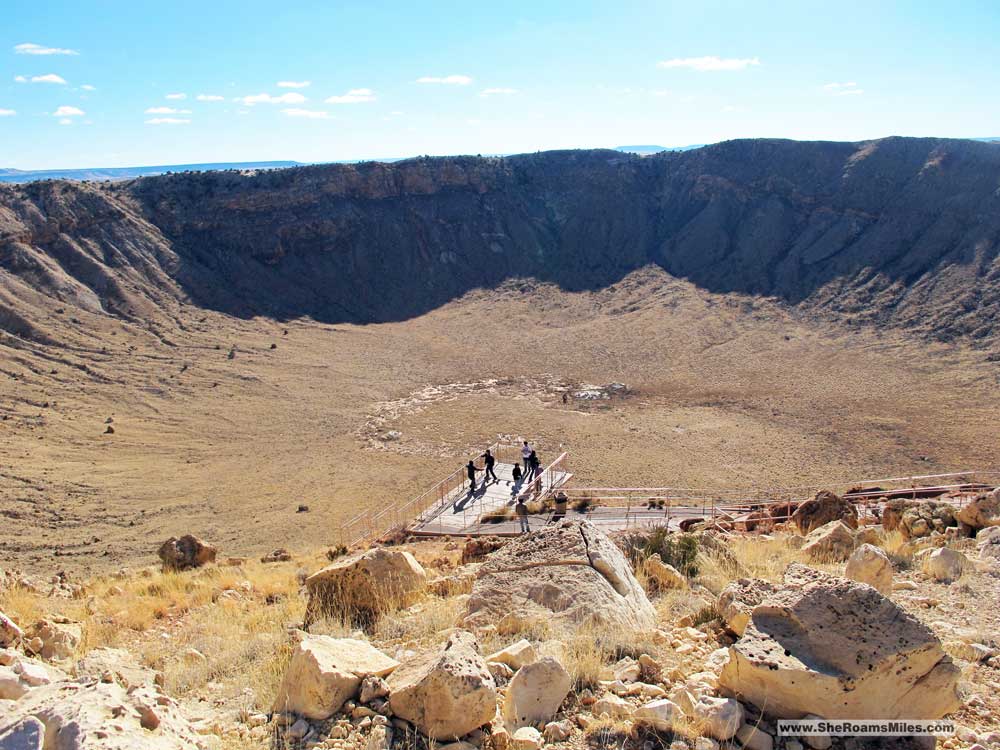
678 550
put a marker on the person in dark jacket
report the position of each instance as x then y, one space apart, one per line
533 465
470 469
489 460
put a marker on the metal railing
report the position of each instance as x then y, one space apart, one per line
374 523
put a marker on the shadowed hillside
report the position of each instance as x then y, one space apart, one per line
898 232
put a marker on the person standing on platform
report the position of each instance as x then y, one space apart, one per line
522 515
489 460
470 469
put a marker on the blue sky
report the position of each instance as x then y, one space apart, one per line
100 83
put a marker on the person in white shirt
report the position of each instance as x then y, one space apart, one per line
526 455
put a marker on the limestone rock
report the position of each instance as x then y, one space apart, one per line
754 738
824 508
612 706
527 738
59 638
324 672
447 693
982 511
569 573
9 631
663 575
945 564
536 692
832 542
104 716
826 645
719 717
516 655
377 580
22 673
186 553
661 714
915 519
869 564
558 731
739 598
372 688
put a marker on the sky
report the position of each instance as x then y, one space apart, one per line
104 83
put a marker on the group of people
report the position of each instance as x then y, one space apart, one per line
529 461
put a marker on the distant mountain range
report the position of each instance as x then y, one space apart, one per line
100 174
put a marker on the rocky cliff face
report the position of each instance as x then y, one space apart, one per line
898 232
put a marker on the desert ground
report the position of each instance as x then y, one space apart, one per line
222 427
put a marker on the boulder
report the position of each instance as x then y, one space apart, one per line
824 508
20 674
982 511
664 576
10 633
660 714
447 693
325 672
869 564
945 564
365 583
536 692
612 706
739 598
186 553
569 574
718 717
754 738
527 738
558 731
833 542
829 646
515 656
104 716
59 638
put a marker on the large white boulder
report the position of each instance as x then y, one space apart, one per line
324 672
739 598
945 564
446 693
828 646
569 574
833 542
376 581
515 656
718 717
660 714
869 564
536 692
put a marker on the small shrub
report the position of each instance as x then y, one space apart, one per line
498 515
678 550
583 504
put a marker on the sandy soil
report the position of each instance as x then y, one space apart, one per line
726 392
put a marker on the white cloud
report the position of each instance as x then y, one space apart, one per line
290 98
293 84
49 78
65 121
354 96
37 49
167 111
167 121
449 80
709 63
67 111
312 114
177 97
88 87
209 98
497 92
20 79
849 88
7 112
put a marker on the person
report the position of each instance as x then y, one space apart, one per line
516 473
470 469
533 463
525 455
522 515
489 460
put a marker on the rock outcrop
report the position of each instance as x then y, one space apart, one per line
915 519
447 693
738 599
832 542
828 646
569 573
325 672
186 552
824 508
365 583
982 511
